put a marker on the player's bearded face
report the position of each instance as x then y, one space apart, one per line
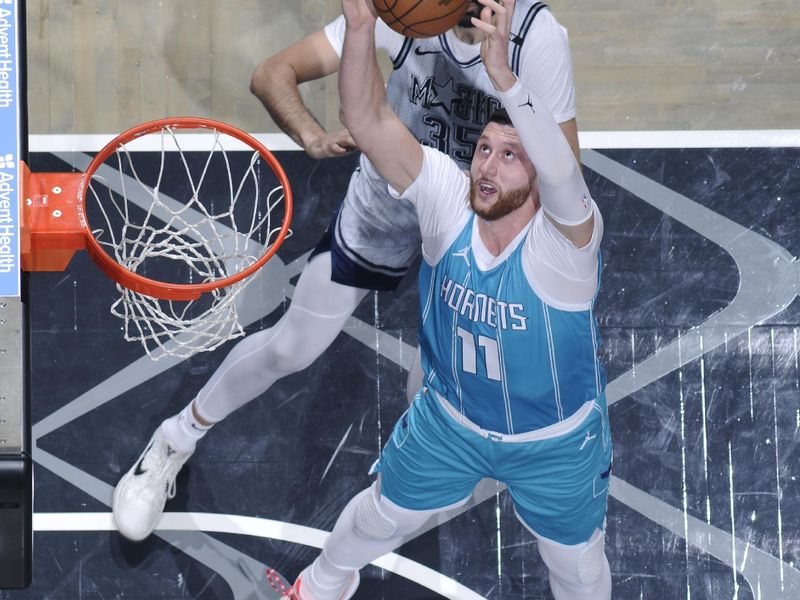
474 10
507 201
501 174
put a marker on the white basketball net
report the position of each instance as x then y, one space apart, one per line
205 234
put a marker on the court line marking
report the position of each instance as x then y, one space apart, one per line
243 574
768 276
624 140
769 282
599 140
762 571
257 527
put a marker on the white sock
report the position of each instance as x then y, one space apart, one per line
325 578
183 430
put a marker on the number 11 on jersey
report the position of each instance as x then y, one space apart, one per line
469 354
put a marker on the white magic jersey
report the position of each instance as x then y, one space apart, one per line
441 91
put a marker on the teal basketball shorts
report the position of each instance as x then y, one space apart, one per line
557 476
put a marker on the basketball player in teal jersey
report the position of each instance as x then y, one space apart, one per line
441 91
513 388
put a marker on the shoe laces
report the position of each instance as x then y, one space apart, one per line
290 593
172 489
170 467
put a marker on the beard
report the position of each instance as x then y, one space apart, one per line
506 203
474 10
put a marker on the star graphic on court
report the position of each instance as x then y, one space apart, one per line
445 95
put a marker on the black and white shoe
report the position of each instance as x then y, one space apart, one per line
141 494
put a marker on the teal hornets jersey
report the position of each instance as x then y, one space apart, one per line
492 348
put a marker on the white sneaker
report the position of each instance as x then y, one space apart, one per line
141 494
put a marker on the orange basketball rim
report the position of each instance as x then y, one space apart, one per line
55 224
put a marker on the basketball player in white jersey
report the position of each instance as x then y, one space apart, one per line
442 93
513 389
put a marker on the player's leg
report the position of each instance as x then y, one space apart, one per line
368 527
429 464
577 571
317 314
559 484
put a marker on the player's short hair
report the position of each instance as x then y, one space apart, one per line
500 116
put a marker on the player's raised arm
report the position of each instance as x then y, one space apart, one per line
562 190
375 127
275 82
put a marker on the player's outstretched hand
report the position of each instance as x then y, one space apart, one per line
331 144
495 22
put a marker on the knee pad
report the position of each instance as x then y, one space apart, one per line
581 565
591 561
370 522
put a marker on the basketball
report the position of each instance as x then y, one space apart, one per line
421 18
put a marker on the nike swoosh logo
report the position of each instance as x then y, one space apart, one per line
138 470
419 52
